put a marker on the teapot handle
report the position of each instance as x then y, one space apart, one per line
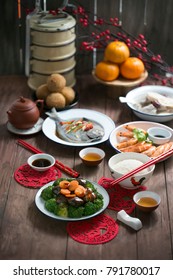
41 102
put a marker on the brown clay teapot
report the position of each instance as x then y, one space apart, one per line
24 113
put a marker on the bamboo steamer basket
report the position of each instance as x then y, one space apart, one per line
50 67
50 30
53 52
52 48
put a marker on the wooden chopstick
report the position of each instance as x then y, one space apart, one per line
143 166
58 164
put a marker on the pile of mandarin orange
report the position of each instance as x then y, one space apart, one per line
118 62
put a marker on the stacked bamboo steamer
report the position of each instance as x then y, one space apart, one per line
52 48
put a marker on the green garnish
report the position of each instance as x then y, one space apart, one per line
140 135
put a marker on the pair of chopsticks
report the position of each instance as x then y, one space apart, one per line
58 164
140 168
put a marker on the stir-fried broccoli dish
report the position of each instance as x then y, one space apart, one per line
73 198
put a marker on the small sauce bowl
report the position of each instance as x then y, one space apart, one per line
92 156
159 135
146 201
41 162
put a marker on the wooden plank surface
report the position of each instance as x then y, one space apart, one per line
26 233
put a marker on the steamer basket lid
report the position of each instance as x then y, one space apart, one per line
51 23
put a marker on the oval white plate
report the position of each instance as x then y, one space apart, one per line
114 139
40 204
49 127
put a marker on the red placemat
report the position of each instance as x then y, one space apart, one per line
97 230
28 177
120 198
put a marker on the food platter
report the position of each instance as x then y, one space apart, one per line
40 203
114 139
49 126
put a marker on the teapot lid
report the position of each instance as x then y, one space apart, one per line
23 104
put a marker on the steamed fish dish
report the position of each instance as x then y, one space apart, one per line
155 103
77 130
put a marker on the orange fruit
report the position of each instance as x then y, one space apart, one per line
117 52
107 71
132 68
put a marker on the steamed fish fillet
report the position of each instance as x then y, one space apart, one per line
79 130
160 101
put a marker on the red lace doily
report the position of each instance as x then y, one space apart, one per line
97 230
28 177
120 198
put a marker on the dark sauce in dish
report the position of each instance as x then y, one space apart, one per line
159 136
41 162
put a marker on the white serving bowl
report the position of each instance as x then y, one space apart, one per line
149 205
159 135
114 139
92 156
138 95
136 180
41 162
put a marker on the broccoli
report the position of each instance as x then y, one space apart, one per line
47 193
93 207
75 212
98 202
61 210
51 204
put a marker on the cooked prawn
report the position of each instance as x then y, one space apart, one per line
127 134
162 149
137 148
150 151
127 143
131 128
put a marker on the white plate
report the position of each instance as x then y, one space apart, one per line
49 127
40 204
114 139
36 128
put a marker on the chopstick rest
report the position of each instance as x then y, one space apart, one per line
134 223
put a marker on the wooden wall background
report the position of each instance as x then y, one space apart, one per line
153 18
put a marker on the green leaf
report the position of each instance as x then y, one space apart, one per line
139 134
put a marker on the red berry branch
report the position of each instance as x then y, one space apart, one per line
97 39
139 47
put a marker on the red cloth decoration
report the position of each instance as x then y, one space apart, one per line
97 230
28 177
120 198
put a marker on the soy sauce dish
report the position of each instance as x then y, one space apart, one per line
41 162
159 135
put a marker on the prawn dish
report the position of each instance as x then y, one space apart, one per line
134 139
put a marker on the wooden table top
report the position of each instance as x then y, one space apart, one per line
26 233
